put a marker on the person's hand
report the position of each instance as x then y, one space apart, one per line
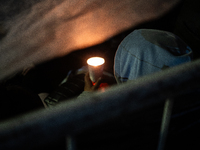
88 84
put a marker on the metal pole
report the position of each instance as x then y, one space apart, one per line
71 144
165 123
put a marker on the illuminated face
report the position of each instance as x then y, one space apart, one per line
95 61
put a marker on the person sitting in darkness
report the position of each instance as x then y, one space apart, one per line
143 52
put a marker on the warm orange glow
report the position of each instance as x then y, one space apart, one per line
95 61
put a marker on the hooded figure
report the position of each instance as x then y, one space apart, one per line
142 52
146 51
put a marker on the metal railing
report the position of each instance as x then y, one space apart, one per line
71 117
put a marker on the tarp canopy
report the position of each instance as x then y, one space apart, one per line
36 31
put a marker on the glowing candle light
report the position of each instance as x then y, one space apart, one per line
95 67
95 61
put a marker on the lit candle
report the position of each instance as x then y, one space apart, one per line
95 67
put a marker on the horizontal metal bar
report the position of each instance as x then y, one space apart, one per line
71 117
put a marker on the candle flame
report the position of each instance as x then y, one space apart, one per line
95 61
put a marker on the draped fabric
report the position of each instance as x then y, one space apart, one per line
35 31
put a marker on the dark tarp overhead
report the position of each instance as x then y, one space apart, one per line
36 31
